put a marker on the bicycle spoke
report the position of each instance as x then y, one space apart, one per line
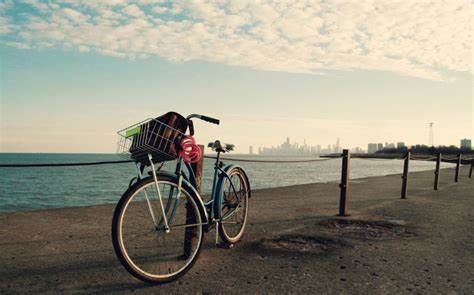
231 222
150 208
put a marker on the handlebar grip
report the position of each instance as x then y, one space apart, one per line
210 120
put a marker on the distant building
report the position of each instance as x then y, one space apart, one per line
372 148
337 147
357 150
466 144
250 150
379 147
401 145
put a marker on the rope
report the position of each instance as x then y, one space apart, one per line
423 158
64 164
377 159
209 157
130 161
267 161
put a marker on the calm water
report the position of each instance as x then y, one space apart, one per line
56 187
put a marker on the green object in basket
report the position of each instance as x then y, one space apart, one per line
132 132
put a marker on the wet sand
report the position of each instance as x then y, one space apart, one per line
293 243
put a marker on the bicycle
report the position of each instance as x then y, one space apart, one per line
159 222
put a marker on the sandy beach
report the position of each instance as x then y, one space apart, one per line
294 243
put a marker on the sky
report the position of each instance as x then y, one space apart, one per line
72 73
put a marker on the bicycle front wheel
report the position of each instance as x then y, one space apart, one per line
234 205
142 243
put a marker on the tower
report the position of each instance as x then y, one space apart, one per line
431 136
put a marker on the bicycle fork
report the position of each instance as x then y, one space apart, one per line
165 219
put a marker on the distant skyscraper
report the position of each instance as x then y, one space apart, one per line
372 148
431 135
357 150
379 146
466 144
338 146
250 150
400 145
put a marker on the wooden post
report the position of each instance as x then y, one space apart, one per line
458 164
190 234
405 175
438 164
470 171
343 208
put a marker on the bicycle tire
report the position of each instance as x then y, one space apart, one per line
224 232
117 237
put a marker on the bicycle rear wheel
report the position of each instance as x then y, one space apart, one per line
234 207
138 230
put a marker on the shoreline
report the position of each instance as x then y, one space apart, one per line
69 249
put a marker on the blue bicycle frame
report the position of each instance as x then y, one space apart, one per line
210 210
214 205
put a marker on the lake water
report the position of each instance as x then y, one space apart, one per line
57 187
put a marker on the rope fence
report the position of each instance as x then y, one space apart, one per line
269 161
322 159
346 156
64 164
131 161
458 160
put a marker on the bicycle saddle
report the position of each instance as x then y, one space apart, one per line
220 147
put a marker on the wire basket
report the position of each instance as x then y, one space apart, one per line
154 137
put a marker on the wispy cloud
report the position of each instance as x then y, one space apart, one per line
427 39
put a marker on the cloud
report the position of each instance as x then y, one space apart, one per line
74 15
134 10
426 39
83 48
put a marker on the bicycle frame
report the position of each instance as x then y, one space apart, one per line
211 208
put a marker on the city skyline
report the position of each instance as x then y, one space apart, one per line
295 148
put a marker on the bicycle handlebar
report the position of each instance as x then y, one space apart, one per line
204 118
210 120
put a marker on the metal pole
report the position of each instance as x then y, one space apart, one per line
470 171
458 164
343 210
405 175
190 235
438 164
